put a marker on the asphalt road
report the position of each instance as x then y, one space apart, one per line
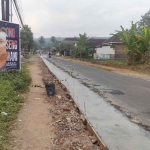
132 94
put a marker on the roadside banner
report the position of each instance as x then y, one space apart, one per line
9 46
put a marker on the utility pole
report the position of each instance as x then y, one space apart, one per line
11 1
5 10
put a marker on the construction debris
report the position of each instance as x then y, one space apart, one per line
38 85
58 96
36 98
71 132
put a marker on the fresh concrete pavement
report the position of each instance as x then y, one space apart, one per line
130 93
115 129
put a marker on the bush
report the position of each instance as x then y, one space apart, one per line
11 85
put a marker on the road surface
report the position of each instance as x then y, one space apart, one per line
114 128
131 94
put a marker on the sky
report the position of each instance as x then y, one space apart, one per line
68 18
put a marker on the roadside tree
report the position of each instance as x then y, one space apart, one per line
137 42
64 48
145 21
144 43
82 44
27 41
130 40
41 41
53 41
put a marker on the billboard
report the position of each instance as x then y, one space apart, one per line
9 46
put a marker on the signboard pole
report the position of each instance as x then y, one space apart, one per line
10 5
5 10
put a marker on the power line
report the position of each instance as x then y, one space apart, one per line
6 6
21 9
18 12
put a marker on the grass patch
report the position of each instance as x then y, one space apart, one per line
11 85
119 62
140 67
31 55
107 61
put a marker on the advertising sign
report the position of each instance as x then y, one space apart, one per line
9 46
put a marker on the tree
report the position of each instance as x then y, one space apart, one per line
53 41
27 41
130 40
144 42
90 52
76 52
42 41
36 45
137 42
64 47
82 43
145 21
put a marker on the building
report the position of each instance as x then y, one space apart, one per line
94 43
73 40
112 48
69 42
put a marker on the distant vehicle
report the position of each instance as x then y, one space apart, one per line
49 54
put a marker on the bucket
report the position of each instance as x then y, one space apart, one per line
50 89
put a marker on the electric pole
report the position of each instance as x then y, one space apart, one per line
5 10
10 6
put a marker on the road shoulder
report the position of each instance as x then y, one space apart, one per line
122 71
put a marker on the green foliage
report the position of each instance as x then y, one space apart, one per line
82 50
36 45
130 40
67 47
76 52
108 62
145 21
89 52
27 41
11 84
41 41
53 41
137 41
86 53
82 43
144 41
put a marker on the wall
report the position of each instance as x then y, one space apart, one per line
120 51
105 52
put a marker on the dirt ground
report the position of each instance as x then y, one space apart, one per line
129 72
50 123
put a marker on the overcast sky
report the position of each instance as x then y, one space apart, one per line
68 18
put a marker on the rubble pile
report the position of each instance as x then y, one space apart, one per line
68 123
